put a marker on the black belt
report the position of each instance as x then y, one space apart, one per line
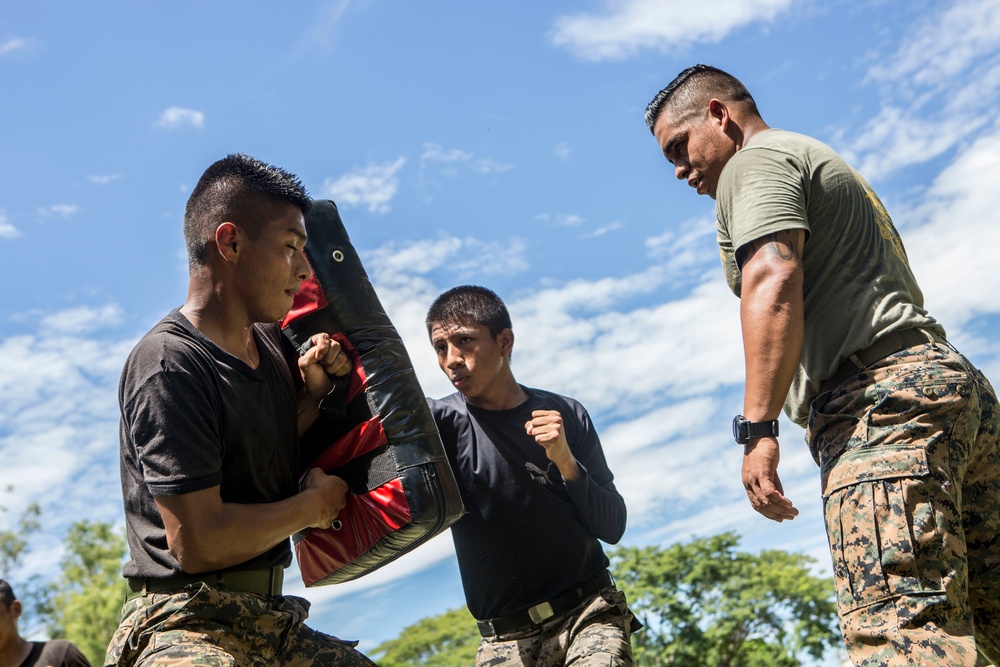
890 343
534 616
262 582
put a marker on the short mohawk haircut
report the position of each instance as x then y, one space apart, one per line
692 89
230 190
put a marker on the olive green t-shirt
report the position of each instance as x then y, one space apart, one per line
857 279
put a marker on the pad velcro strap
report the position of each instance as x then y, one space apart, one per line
369 471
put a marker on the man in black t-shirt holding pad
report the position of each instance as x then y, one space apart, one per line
539 496
210 452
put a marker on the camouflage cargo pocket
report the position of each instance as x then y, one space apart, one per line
881 528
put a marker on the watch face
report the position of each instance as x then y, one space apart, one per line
739 429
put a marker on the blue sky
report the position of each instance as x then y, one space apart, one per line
495 143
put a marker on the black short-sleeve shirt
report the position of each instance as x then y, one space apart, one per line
194 416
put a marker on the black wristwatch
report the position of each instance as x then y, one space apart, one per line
745 430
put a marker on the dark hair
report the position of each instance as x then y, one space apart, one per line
6 593
691 90
470 303
234 189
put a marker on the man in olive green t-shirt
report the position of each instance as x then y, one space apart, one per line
905 430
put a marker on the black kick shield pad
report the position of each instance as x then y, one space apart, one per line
377 432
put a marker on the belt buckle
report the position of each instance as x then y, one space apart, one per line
541 612
486 628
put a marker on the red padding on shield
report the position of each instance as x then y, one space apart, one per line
366 519
363 438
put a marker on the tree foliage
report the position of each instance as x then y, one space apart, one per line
86 601
14 541
14 545
705 603
446 640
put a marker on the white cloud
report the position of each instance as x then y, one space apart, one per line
58 416
18 45
83 319
945 44
103 179
939 89
58 210
488 166
561 219
606 229
563 151
627 27
952 236
373 186
7 230
178 118
437 153
451 158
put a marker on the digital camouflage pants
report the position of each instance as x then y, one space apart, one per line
595 633
911 485
204 626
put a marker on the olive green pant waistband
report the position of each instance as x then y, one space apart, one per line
891 343
262 582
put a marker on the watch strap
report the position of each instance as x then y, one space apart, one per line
765 429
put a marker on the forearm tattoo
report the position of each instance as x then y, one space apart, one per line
781 244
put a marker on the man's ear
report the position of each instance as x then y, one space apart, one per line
16 609
228 241
506 341
718 113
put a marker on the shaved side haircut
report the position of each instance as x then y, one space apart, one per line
467 303
7 596
238 189
689 93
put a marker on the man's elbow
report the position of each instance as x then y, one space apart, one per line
193 558
617 531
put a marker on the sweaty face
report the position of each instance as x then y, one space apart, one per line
469 355
271 267
697 147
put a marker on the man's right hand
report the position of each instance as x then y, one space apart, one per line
327 492
760 479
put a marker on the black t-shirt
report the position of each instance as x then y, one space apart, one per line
55 653
528 535
194 416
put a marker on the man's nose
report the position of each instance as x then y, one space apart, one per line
302 270
454 357
681 169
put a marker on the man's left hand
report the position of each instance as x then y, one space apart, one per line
323 359
546 427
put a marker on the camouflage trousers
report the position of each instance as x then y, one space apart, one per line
595 633
204 626
911 485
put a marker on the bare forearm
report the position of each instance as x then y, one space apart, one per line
236 534
204 533
771 315
307 412
772 343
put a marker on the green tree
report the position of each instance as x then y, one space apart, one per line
14 544
446 640
14 541
705 603
86 601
